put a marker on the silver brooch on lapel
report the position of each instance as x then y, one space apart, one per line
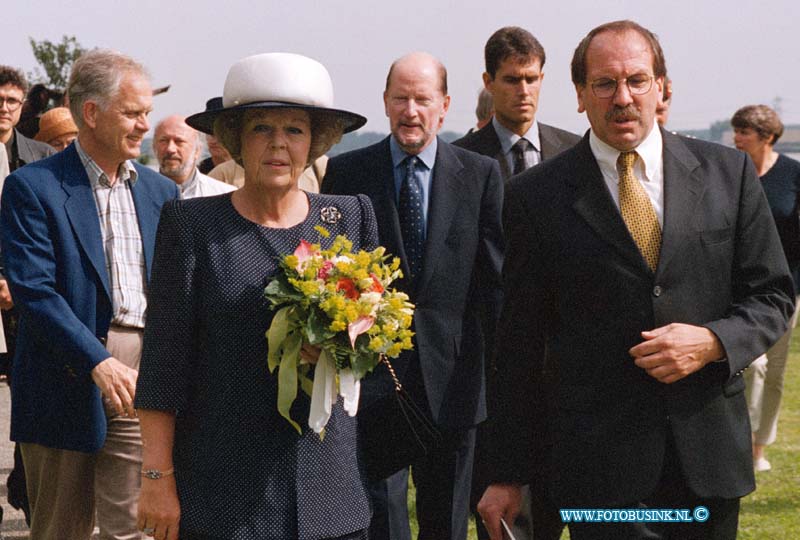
330 214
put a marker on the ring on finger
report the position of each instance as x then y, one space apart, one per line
149 531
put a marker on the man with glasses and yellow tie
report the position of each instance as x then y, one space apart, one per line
643 274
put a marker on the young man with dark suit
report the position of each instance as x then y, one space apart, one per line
514 74
643 274
438 209
78 232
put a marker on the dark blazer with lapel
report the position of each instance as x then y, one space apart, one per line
55 265
29 150
578 293
457 293
552 141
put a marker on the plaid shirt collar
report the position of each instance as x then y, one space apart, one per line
126 171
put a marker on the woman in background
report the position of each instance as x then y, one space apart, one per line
756 129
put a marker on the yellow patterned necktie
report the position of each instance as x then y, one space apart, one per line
637 211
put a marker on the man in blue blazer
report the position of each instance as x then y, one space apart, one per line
438 208
78 232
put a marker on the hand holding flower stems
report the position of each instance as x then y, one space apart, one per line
334 304
309 353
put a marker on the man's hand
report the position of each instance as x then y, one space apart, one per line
5 295
499 501
672 352
118 384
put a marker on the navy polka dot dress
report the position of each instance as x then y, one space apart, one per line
242 471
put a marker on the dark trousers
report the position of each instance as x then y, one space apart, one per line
671 492
442 480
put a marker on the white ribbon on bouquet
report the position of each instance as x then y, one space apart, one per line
324 393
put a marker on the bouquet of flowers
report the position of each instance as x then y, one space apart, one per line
339 301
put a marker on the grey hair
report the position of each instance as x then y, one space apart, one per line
326 130
96 76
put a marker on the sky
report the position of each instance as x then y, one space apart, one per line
721 55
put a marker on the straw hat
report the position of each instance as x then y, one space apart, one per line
54 123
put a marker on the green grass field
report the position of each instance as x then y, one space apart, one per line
773 510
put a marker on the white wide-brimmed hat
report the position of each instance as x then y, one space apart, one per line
276 80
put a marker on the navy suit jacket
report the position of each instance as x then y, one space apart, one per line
578 296
552 141
55 264
457 293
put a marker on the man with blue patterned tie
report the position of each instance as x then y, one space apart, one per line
438 209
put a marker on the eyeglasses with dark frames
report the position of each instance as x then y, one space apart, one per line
12 104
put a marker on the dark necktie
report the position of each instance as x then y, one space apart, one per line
518 151
637 210
412 224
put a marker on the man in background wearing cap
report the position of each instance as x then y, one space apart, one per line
177 147
218 154
78 233
438 209
57 128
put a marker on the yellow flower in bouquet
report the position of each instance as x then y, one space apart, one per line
339 301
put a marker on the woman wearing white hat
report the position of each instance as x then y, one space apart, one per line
219 460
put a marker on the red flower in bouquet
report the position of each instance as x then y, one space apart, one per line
348 287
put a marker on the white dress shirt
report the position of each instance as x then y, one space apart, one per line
507 138
200 185
649 168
